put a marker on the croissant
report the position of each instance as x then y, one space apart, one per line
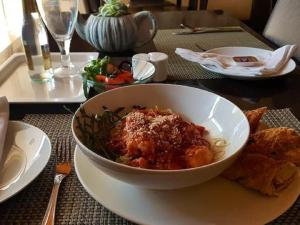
281 143
261 173
268 162
254 117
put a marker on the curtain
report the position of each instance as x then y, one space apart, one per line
11 16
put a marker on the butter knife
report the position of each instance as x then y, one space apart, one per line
202 30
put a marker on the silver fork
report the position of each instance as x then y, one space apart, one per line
63 169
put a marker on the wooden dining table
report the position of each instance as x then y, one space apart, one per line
274 93
279 93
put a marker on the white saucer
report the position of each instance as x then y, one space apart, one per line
26 152
247 51
215 202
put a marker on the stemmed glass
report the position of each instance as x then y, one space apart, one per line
60 17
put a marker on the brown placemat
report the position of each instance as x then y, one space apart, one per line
180 69
75 206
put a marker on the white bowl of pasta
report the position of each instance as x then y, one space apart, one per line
164 136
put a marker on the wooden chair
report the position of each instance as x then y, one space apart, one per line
136 5
284 23
197 4
259 11
162 4
93 5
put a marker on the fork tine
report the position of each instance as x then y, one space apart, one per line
57 147
60 147
63 149
69 152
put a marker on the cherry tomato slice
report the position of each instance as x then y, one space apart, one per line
127 76
116 80
100 78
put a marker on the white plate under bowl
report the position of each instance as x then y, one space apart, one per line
220 117
218 201
247 51
26 152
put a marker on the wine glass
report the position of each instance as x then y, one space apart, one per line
60 17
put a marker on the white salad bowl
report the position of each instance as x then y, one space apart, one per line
220 117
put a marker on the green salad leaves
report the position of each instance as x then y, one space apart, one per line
95 67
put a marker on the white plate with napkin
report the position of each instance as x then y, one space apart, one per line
244 62
25 151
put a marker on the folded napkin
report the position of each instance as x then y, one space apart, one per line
4 116
253 65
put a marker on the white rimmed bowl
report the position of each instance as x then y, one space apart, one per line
221 117
142 71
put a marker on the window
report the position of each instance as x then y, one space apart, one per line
10 22
11 16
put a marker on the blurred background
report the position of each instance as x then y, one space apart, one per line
253 12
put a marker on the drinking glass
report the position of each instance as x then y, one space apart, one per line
60 17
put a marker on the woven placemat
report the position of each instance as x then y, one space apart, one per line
180 69
75 206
